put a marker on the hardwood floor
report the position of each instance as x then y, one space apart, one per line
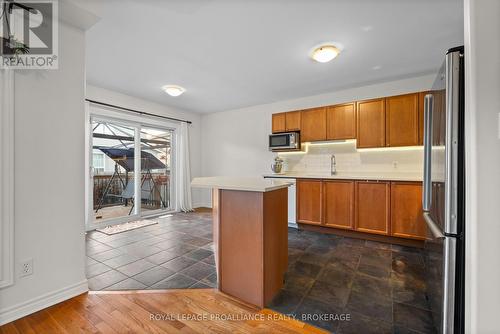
173 311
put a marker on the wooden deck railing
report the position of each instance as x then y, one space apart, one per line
117 187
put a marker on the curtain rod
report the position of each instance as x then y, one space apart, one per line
137 111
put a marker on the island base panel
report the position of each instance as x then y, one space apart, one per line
250 238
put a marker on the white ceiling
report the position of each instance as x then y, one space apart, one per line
230 54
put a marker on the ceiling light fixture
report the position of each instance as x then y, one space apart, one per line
173 90
325 53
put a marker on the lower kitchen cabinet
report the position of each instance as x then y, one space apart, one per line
338 197
373 207
406 210
309 201
376 207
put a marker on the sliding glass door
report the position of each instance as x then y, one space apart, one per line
113 170
126 186
156 171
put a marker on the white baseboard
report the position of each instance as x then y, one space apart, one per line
39 303
293 225
202 205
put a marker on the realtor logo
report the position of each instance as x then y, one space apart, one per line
29 33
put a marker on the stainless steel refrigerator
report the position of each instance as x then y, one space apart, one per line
444 194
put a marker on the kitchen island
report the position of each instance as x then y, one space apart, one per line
250 235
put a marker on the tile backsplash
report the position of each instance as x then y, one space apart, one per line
349 159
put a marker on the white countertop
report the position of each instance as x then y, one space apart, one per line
258 184
381 176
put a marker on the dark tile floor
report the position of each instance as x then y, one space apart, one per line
175 253
379 286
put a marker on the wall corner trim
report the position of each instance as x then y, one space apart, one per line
39 303
7 178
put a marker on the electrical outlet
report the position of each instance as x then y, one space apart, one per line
26 268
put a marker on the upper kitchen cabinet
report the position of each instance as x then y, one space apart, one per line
286 121
309 201
279 122
339 204
421 98
370 116
402 120
391 121
373 207
292 120
341 121
406 210
313 125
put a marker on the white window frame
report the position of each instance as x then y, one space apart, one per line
118 116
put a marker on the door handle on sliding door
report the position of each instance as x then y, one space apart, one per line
427 195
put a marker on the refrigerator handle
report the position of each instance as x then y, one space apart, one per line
435 230
427 195
451 141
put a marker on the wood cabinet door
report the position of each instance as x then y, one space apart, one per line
373 207
406 210
338 204
341 121
279 122
370 118
309 201
292 120
313 124
421 98
401 120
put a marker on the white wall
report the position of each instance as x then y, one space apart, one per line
49 167
235 142
127 101
482 46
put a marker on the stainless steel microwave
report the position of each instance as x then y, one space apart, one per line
285 141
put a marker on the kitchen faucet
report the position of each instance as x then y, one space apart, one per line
333 165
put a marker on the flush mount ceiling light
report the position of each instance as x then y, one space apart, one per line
173 90
325 53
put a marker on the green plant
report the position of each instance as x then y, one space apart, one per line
17 46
